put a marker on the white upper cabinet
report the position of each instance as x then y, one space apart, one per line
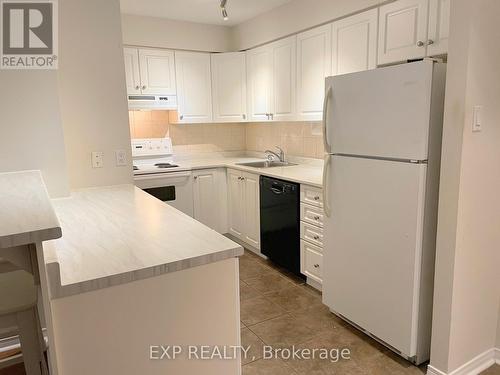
229 89
314 57
439 27
194 92
259 83
412 29
354 43
271 81
157 69
283 99
403 31
149 71
132 74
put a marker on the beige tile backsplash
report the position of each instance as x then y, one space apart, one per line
296 138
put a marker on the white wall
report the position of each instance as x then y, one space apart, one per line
498 329
293 17
164 33
467 287
92 90
31 136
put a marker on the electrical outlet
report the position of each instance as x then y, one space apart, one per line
97 159
121 158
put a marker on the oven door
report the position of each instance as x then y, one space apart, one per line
174 188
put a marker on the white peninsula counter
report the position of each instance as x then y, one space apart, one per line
129 276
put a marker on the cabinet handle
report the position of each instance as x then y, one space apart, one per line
181 117
272 116
316 218
316 265
144 87
420 43
316 238
137 87
195 177
244 116
316 198
429 42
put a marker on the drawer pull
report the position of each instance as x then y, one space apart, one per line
316 218
316 265
316 198
316 238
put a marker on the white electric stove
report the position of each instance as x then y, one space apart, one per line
156 173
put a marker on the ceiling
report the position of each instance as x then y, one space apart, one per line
200 11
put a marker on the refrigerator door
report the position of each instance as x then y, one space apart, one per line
383 112
373 248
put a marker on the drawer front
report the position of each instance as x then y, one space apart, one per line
311 195
311 261
311 214
311 233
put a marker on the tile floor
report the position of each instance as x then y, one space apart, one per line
279 310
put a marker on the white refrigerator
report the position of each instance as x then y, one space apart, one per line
381 179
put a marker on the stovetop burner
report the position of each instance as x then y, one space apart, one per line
165 165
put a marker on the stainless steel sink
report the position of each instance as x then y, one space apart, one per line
267 164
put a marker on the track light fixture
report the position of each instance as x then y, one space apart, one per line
223 9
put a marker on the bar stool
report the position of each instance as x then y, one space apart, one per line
18 308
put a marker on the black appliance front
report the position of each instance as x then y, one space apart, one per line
279 222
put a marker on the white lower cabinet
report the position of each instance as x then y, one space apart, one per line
244 207
311 261
311 234
210 198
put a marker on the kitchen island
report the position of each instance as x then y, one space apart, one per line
130 277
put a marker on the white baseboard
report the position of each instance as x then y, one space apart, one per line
474 366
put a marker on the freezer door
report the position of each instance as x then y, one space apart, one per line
372 252
383 112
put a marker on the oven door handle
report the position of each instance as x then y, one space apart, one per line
154 176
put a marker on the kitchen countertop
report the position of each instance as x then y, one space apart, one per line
118 234
303 173
26 213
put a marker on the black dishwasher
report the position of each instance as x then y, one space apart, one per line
279 222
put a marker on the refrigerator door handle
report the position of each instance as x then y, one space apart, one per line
326 203
328 94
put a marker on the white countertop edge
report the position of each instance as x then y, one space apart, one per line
61 291
276 172
30 198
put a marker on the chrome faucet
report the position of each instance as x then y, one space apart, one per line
271 154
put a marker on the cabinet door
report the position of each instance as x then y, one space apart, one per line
132 75
252 210
283 99
205 200
354 43
439 27
229 89
157 71
259 83
194 92
403 31
236 203
313 65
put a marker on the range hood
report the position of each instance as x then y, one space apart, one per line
136 102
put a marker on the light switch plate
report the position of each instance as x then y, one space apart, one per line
97 159
477 118
121 158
